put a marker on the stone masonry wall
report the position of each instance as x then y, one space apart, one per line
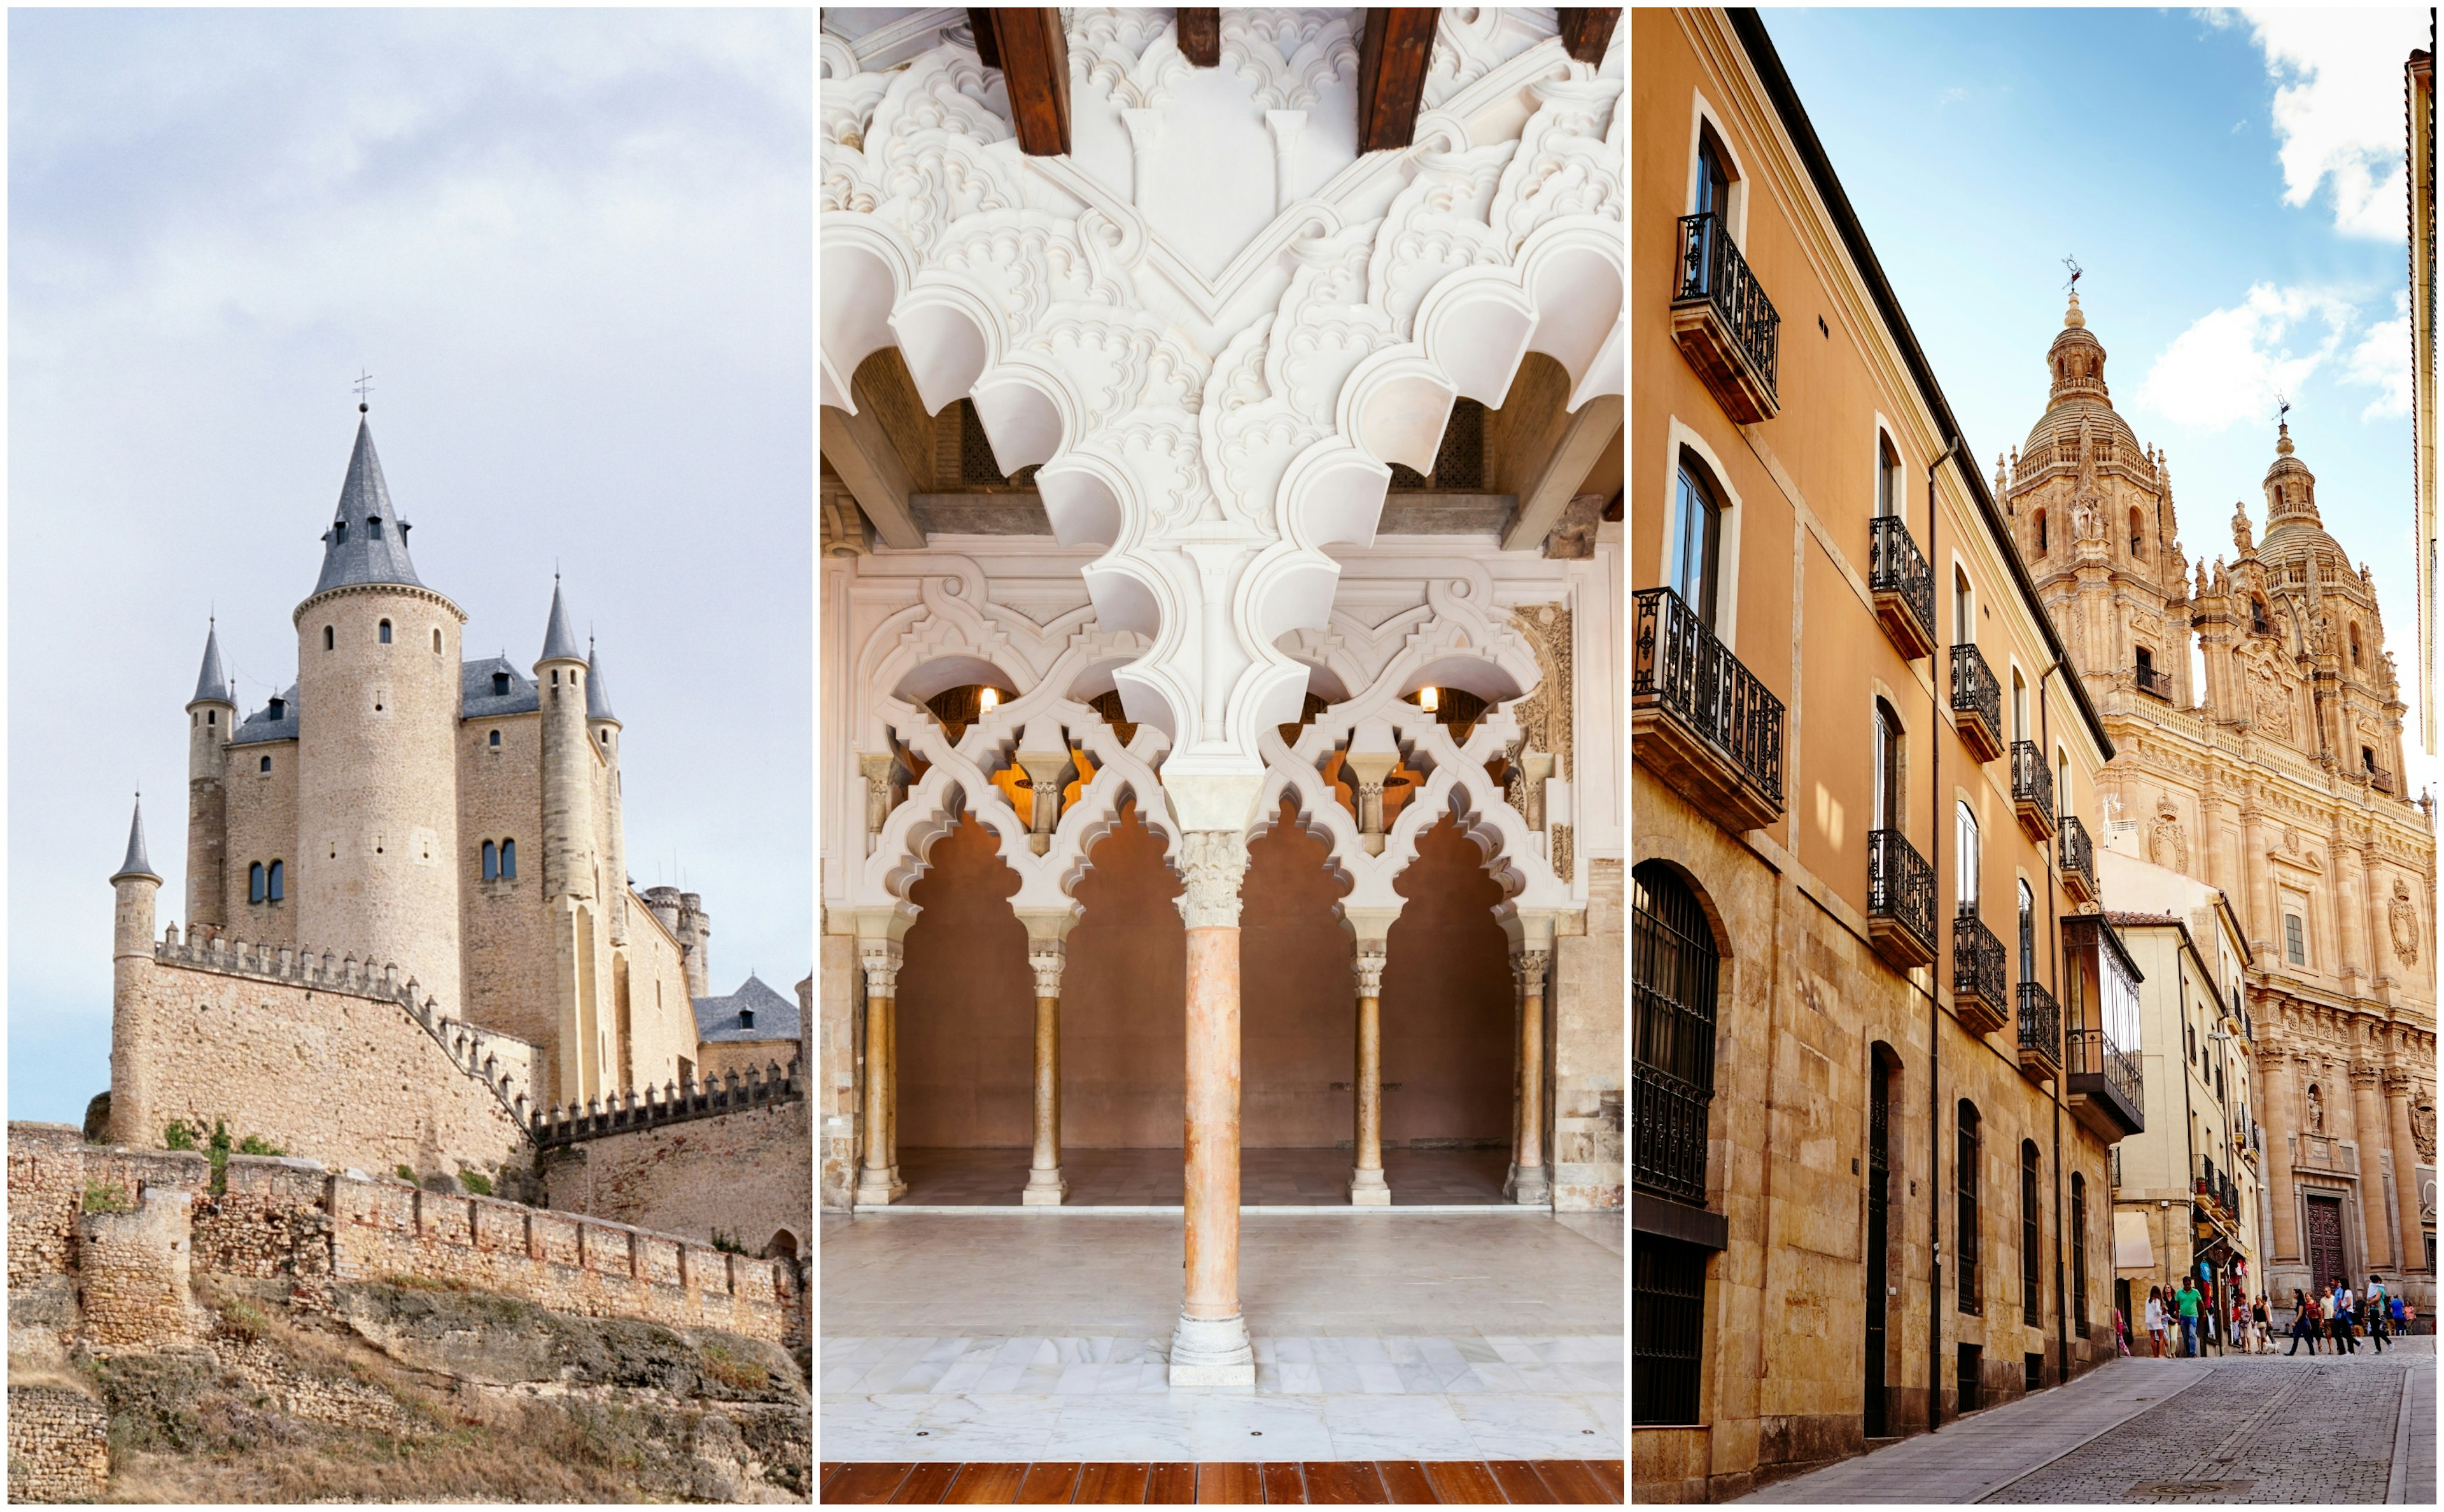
262 826
59 1445
744 1175
840 994
1588 977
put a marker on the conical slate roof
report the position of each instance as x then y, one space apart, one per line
559 644
367 542
213 684
598 700
135 864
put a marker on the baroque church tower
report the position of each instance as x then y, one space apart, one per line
2275 777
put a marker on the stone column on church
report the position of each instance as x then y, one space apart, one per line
1368 1188
2357 964
2258 920
1210 1347
1531 953
1046 955
2398 1090
2279 1078
2367 1131
879 1181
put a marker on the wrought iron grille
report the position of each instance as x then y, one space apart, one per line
1675 967
2039 1021
2153 681
2087 1052
1896 565
1667 1330
2032 782
1976 959
1901 884
1973 688
1965 1200
1712 269
2079 1248
1681 665
2078 853
2032 1305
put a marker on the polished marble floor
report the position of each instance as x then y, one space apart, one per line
1152 1178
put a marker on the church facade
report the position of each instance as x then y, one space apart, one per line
2275 777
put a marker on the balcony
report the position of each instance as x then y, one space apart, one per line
2383 782
1699 720
1726 326
1976 703
2153 683
2040 1033
2078 861
1977 981
2106 1094
1900 900
2032 791
1903 585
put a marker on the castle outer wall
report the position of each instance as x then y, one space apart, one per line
744 1175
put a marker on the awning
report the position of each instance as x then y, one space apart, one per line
2131 1248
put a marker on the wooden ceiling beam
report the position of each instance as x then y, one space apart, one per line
1586 33
1033 57
1392 58
1200 37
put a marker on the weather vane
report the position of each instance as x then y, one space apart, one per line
364 386
2282 414
2072 263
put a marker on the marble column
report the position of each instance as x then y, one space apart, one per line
1532 953
1366 1184
2367 1130
1210 1347
879 1181
2398 1091
1046 954
2280 1076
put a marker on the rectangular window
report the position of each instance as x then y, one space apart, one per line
2295 940
1700 542
1965 1255
1667 1330
1713 179
1973 1364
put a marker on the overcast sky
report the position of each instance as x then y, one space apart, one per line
575 249
2230 180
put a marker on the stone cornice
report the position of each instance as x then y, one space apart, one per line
402 590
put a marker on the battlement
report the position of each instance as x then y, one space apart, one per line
503 1062
672 1102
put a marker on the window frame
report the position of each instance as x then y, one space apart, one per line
1968 1222
1695 495
275 881
508 861
381 633
1968 858
253 882
491 862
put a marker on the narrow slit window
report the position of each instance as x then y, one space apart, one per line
491 861
275 882
508 858
255 882
326 637
386 632
496 740
264 765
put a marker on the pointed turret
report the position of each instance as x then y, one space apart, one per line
135 864
213 684
211 723
597 699
559 644
367 542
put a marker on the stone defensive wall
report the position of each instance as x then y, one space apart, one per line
747 1174
158 1220
312 1051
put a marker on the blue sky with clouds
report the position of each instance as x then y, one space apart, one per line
2231 183
575 248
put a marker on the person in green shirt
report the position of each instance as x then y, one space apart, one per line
2186 1299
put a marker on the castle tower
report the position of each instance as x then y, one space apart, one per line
602 725
134 886
378 676
573 883
212 716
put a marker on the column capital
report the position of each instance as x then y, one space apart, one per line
2364 1075
1046 959
1527 970
1370 959
2396 1081
881 960
1212 861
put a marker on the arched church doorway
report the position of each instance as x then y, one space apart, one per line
1448 1036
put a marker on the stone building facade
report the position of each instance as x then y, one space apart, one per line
1879 1062
2276 780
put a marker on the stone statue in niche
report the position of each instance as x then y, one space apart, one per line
2422 1131
2316 1111
2403 918
2167 845
2269 703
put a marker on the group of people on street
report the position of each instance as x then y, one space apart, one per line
2336 1316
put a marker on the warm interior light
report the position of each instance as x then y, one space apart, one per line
1427 699
989 701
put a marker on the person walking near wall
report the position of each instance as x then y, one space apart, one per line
2186 1302
2305 1323
2259 1317
2377 1310
2347 1319
2156 1321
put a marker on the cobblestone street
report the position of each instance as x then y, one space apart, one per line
2357 1429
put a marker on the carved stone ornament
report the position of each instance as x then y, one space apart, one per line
882 963
2270 702
1212 861
2316 1111
2167 845
1045 958
1527 966
2403 915
1370 961
2422 1131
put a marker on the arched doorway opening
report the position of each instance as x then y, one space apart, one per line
1449 1029
964 1032
1298 1019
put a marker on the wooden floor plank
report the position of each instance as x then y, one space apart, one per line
1111 1484
1282 1483
1570 1481
1519 1480
1048 1484
1231 1484
830 1468
1464 1483
985 1486
1609 1472
868 1485
1342 1482
1404 1481
1171 1484
925 1485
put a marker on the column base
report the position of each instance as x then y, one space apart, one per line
879 1188
1367 1189
1530 1188
1044 1187
1212 1351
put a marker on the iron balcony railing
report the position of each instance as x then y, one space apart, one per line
2087 1052
1976 694
2032 783
2154 681
1895 565
2382 780
2078 854
1900 885
1977 962
2039 1021
1712 269
1681 665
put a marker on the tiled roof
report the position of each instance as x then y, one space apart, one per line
367 542
476 699
775 1017
261 725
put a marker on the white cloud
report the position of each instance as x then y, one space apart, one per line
2338 107
2229 366
2380 360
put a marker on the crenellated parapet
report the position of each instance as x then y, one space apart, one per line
672 1102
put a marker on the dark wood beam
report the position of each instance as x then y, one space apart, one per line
1392 59
1586 33
1200 37
1034 63
980 21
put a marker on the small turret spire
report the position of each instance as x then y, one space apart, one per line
598 697
213 684
559 641
135 864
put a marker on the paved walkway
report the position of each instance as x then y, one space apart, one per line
2146 1430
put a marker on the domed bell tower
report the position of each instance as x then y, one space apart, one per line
378 677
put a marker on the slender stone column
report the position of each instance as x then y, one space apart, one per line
879 1181
2405 1170
891 1089
2260 924
2281 1076
2368 1129
1366 1184
1210 1347
1046 954
1534 1185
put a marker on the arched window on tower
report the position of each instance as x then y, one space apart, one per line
2040 532
437 642
275 881
2355 643
508 858
264 764
255 882
386 632
326 637
2257 616
2138 533
491 861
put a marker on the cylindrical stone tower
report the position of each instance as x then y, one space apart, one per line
602 726
571 863
378 682
134 887
212 717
